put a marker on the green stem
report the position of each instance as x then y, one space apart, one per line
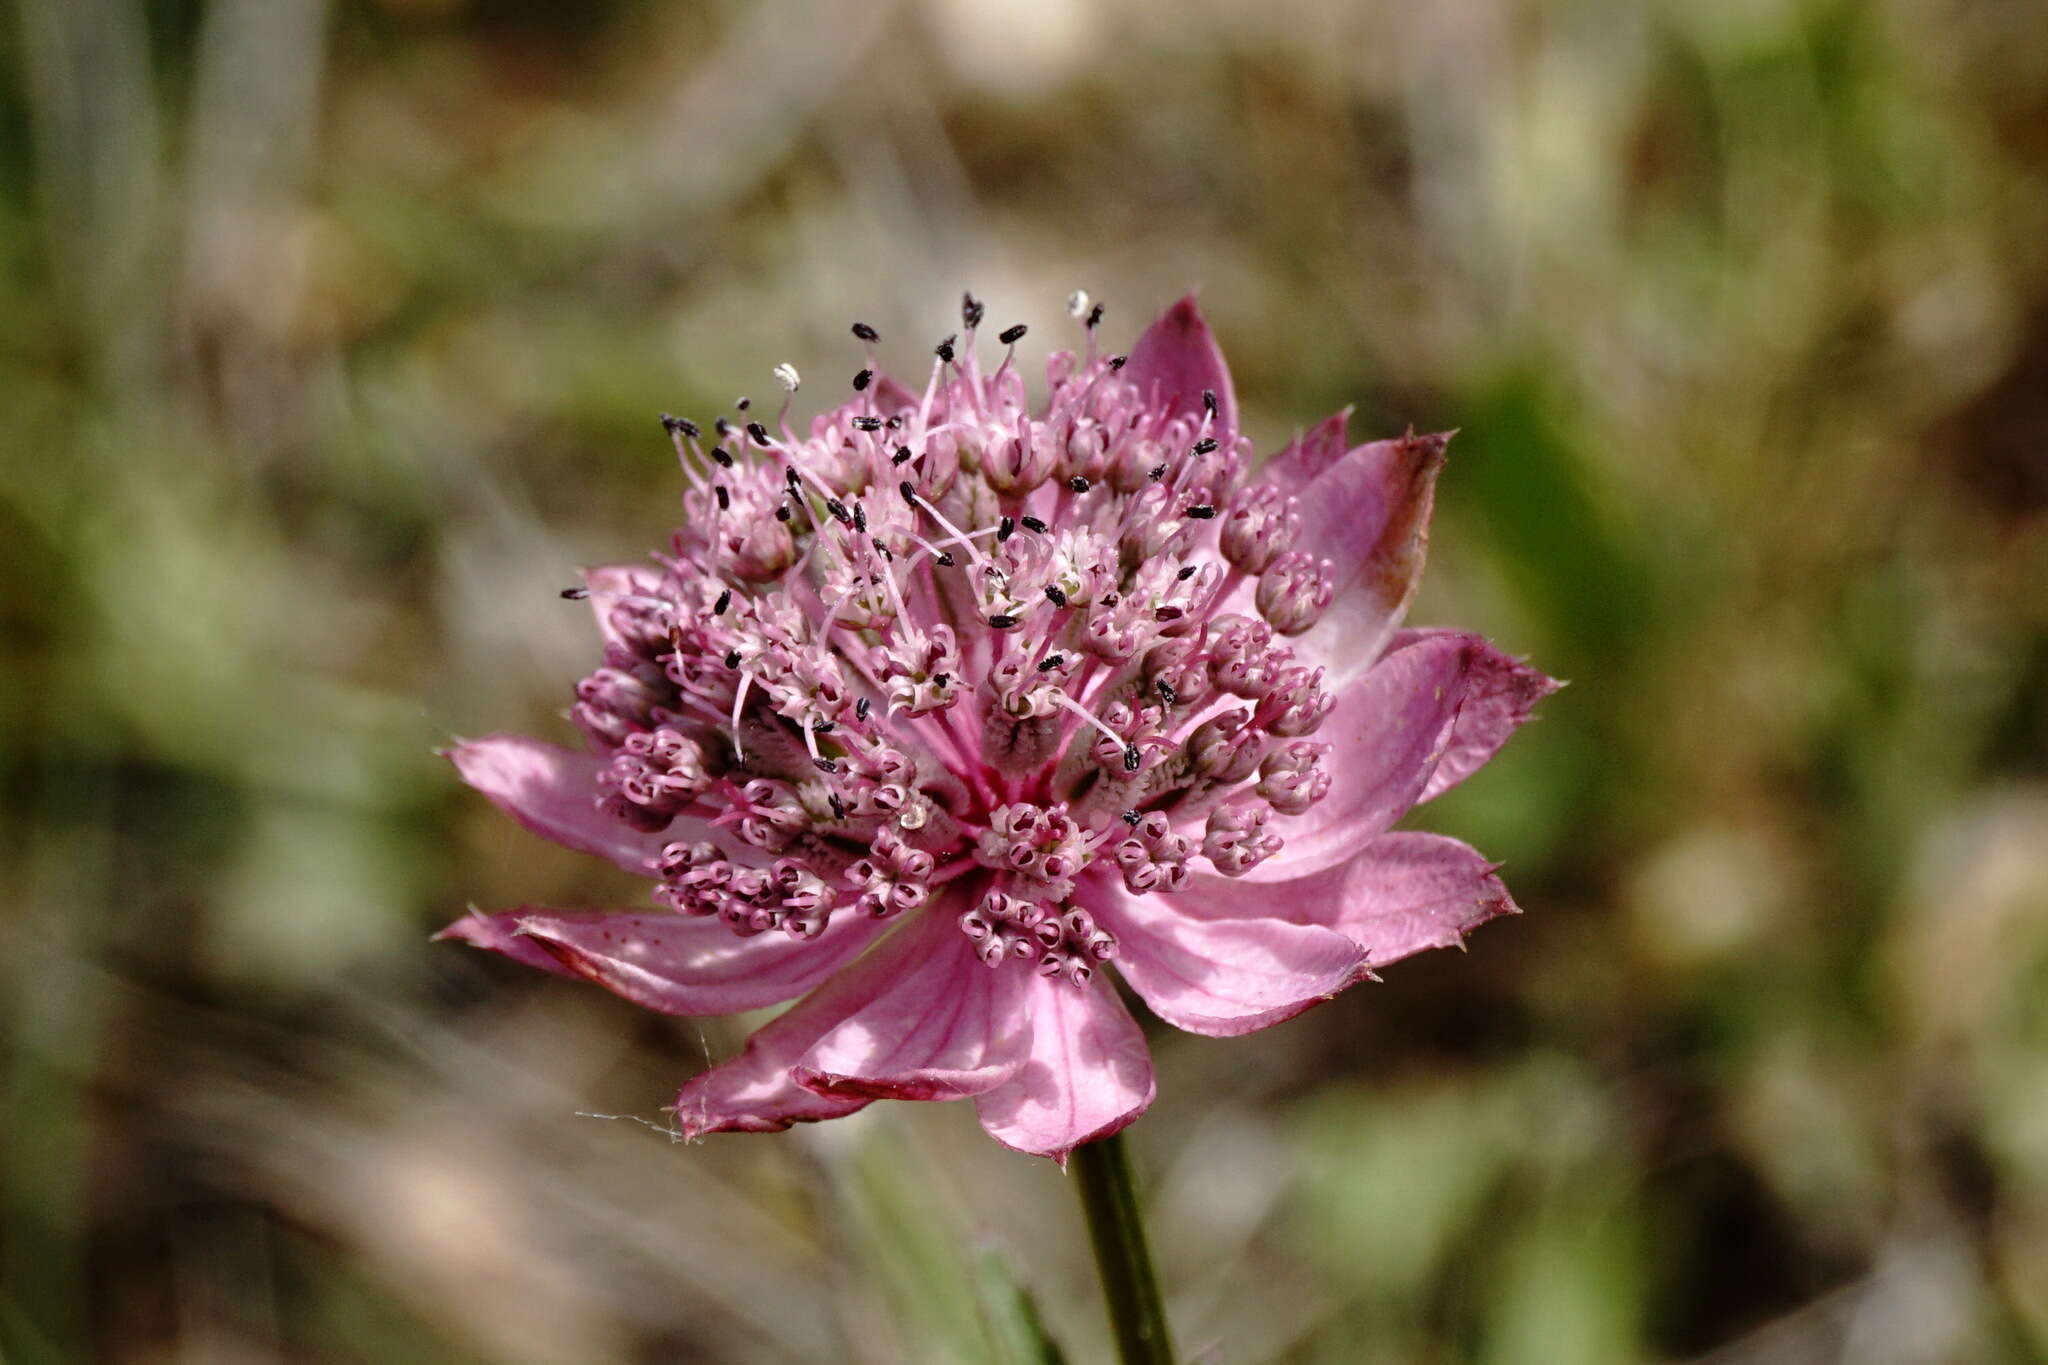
1109 1197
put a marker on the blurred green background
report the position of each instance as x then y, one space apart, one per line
332 334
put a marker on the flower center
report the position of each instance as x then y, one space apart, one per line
955 633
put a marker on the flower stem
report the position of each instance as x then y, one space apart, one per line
1109 1198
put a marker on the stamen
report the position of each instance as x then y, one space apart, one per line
1063 700
955 534
739 701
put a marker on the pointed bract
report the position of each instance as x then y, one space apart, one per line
1308 455
682 965
552 792
1388 733
499 933
1177 359
1401 893
946 1028
1087 1073
1368 514
1225 977
1501 693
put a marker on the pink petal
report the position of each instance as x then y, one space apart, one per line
1499 695
553 792
1368 514
500 934
891 395
608 583
881 997
1177 358
1400 894
1087 1074
1309 454
682 965
1389 730
1224 977
944 1027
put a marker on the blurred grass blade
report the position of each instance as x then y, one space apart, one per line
1017 1334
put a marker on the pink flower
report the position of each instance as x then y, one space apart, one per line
932 712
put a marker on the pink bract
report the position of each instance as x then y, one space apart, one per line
931 713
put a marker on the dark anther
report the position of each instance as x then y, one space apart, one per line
1078 484
1187 571
1002 622
1032 524
1010 336
1052 661
732 659
680 426
861 708
1005 529
971 311
838 806
1201 511
860 518
1110 599
1055 596
941 679
782 512
1157 473
894 424
825 765
865 332
945 559
1117 362
1132 758
1209 401
743 403
724 498
1167 694
902 455
722 426
758 432
838 511
823 727
724 601
724 458
1205 445
867 424
1131 818
880 548
575 594
908 491
789 477
862 380
944 350
1094 317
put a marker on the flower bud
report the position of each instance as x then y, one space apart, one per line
1237 840
1294 591
1223 748
1292 778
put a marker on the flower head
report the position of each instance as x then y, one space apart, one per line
935 711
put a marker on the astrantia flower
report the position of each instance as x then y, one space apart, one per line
943 714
